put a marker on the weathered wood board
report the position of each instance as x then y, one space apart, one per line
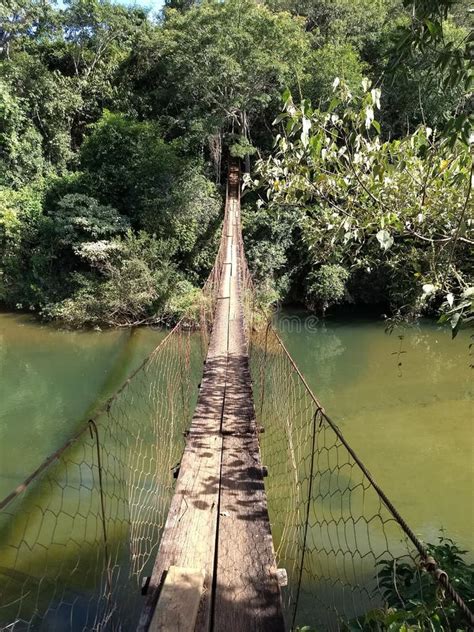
179 601
247 590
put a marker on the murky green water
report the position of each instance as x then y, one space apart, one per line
49 381
76 543
405 405
411 424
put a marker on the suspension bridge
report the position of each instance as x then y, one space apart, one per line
211 492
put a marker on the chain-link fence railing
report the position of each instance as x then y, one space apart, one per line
348 553
77 538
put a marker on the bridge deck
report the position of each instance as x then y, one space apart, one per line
218 524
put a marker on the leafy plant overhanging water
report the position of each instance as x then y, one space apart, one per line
413 604
389 218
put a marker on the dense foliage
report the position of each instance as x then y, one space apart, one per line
114 125
381 220
414 602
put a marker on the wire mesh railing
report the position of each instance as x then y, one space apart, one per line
76 540
81 533
351 559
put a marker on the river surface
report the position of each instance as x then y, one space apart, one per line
77 540
50 379
405 405
404 402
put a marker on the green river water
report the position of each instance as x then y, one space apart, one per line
406 407
50 379
403 403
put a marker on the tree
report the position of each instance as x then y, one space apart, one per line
356 22
22 21
49 102
392 213
431 35
110 121
128 164
230 61
80 219
96 37
135 280
329 61
21 268
21 155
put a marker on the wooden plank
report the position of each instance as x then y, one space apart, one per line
247 589
178 604
218 519
247 595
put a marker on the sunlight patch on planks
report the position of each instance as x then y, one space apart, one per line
178 605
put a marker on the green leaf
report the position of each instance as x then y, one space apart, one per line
315 144
286 96
280 118
376 125
456 321
434 28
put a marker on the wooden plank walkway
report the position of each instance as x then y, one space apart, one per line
218 522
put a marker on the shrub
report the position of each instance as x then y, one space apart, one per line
185 300
414 600
21 263
81 218
326 286
134 283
